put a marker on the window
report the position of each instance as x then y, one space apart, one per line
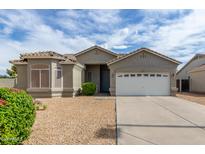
40 76
132 75
126 75
40 66
165 75
139 75
159 75
44 78
146 75
152 75
58 77
119 76
35 78
89 76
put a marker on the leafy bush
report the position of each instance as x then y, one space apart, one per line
88 88
2 102
17 116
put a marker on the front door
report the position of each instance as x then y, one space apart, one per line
104 78
185 85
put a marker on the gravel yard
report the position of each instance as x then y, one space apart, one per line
194 97
79 120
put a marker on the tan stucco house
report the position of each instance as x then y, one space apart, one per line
191 77
142 72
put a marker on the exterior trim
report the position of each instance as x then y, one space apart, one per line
141 50
95 47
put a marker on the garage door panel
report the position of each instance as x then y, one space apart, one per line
159 84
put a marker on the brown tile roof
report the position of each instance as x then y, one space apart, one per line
42 54
70 56
18 62
65 59
68 61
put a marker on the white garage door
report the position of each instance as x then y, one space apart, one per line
128 84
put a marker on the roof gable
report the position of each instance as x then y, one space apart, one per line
141 50
95 47
192 59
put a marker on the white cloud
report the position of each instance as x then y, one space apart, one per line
104 16
180 38
176 33
39 37
119 37
184 33
120 47
22 19
8 51
46 38
6 31
86 21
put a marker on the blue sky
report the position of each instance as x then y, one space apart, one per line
176 33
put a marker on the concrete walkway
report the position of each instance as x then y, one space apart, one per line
159 120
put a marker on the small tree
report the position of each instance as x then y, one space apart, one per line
12 72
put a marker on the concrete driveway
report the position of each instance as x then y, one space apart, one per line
159 120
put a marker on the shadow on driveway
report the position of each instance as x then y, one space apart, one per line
106 132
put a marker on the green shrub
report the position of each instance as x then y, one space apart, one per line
17 116
39 105
88 88
45 106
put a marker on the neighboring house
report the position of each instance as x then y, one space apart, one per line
197 79
191 76
142 72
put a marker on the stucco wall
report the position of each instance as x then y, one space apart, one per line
83 76
77 78
94 56
95 70
21 77
72 79
8 83
197 81
67 76
198 61
143 62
